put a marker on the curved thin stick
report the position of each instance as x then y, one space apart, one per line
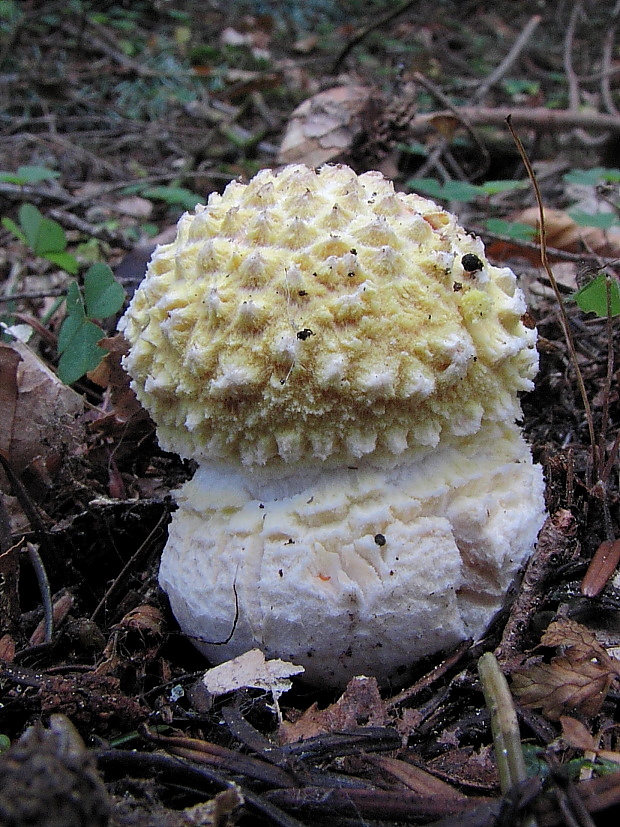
568 335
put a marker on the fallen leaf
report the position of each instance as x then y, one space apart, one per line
145 619
446 125
217 812
60 609
568 634
577 734
466 766
110 374
39 414
601 568
563 233
7 648
421 782
135 207
251 669
9 590
359 705
324 126
578 679
562 685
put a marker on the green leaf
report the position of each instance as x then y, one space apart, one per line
592 298
450 191
69 331
174 196
43 235
413 148
103 294
12 227
592 177
81 351
28 175
602 220
495 187
74 302
64 260
512 229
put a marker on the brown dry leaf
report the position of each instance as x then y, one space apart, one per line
446 125
562 685
601 568
145 619
219 811
39 413
565 234
577 734
579 679
60 609
568 634
7 648
110 374
359 704
324 126
416 779
468 767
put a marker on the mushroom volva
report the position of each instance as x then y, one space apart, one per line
344 364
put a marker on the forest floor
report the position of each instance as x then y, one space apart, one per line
117 117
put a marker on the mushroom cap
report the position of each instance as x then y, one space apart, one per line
353 571
318 316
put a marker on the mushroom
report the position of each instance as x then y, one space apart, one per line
344 365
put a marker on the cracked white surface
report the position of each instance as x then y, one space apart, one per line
315 583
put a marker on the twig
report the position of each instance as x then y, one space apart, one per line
74 222
122 577
430 678
550 120
553 252
568 335
517 47
44 588
357 38
608 50
445 101
97 42
571 77
175 770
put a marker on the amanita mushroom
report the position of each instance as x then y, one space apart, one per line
345 366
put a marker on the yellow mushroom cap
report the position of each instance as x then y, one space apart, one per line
313 316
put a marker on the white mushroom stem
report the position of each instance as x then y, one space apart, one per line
353 570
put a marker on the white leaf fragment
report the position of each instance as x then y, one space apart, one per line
251 670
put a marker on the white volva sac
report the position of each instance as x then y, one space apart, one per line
344 364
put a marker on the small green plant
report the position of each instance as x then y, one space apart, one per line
462 190
171 195
593 297
174 196
28 175
79 337
512 229
102 296
45 237
593 177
